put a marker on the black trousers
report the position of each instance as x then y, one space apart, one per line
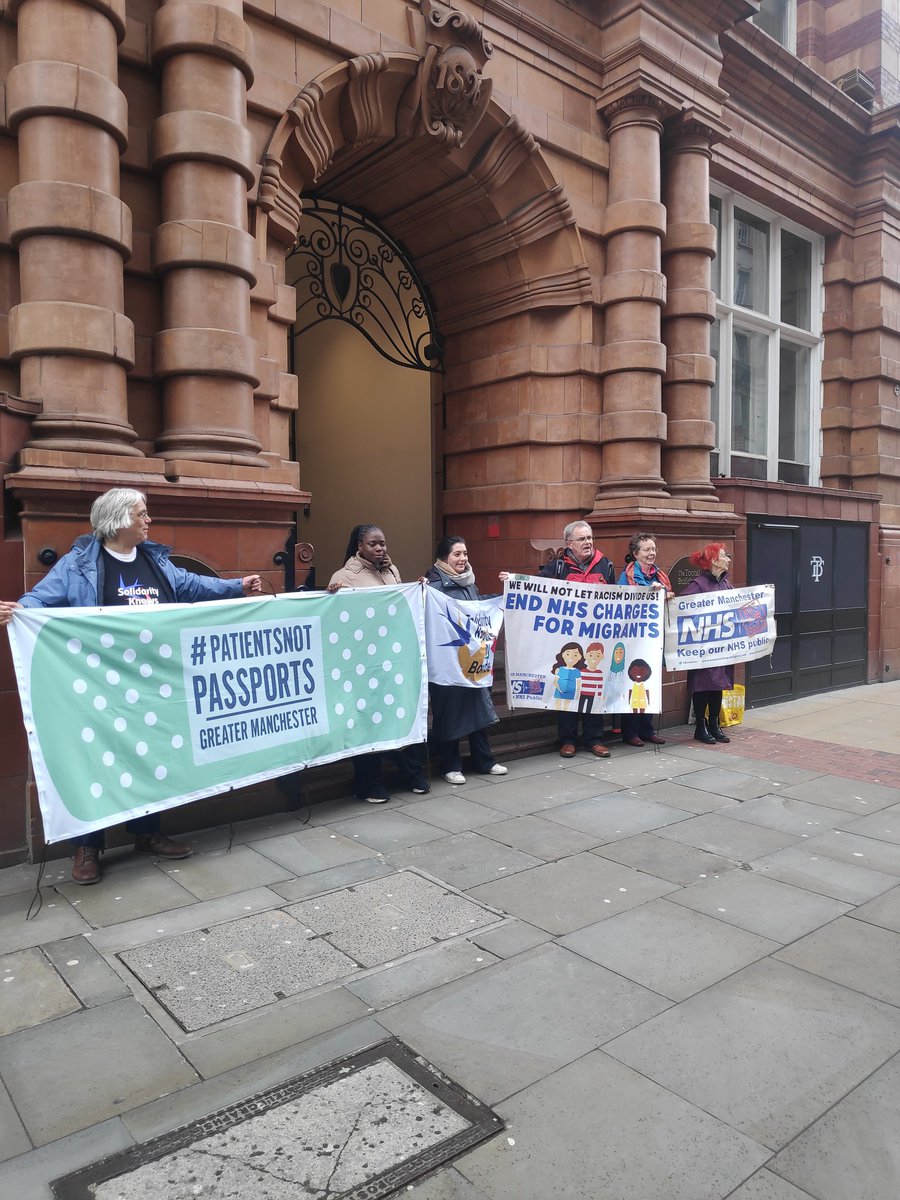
148 824
479 748
591 728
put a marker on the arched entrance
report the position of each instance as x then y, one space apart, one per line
365 352
468 193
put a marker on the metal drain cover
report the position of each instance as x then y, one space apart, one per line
356 1129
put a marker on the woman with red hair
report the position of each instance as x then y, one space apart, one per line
707 684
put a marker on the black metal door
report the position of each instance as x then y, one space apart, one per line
820 572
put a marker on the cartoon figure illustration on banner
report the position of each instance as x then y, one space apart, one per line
565 675
639 696
591 690
616 684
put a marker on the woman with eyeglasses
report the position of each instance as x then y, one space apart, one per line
707 684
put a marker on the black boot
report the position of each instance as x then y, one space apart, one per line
712 722
702 733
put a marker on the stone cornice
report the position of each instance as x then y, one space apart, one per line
530 24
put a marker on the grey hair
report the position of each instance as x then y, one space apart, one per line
111 512
569 530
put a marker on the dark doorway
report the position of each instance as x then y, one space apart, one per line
820 572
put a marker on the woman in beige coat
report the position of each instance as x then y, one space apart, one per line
368 565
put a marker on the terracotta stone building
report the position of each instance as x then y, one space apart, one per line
476 266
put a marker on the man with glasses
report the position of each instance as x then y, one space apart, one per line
580 563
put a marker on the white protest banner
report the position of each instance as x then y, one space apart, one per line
713 629
134 710
460 636
583 647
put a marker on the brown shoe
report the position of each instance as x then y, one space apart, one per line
161 846
600 751
567 750
656 740
635 741
86 865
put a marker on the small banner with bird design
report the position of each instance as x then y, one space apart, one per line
460 636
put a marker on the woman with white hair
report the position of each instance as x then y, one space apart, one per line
117 564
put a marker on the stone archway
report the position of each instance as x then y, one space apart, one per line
466 190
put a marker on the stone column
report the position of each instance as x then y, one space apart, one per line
72 231
690 309
632 356
204 352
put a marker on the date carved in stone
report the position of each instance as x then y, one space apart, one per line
454 91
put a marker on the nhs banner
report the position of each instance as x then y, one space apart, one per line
134 710
583 647
713 629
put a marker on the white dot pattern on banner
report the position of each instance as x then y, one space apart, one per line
361 705
165 691
132 696
146 636
120 724
96 790
146 670
73 646
346 655
125 780
129 656
93 660
165 651
87 734
358 635
360 669
108 758
345 617
112 677
107 640
373 683
371 648
333 638
335 674
141 748
160 772
382 630
348 686
150 719
387 665
339 709
79 686
100 703
392 610
370 613
376 718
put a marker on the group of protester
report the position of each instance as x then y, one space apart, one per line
117 564
581 562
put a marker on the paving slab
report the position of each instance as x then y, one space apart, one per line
455 813
430 969
612 817
547 840
24 877
199 915
668 949
31 991
671 793
561 1146
221 872
265 1032
883 825
94 1064
88 975
13 1138
28 1176
312 850
848 795
779 1048
566 895
509 939
787 815
536 793
859 956
763 906
208 975
766 1186
853 1150
238 1082
775 772
722 781
56 919
387 830
731 839
448 1184
511 1024
337 877
665 859
883 911
828 876
634 770
464 859
861 851
130 889
384 919
361 1126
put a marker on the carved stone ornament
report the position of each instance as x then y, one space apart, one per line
454 92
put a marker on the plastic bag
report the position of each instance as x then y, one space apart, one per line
732 706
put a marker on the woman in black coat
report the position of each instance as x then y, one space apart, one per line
460 711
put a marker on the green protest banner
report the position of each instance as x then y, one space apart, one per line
134 710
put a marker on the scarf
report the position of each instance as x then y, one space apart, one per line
638 577
467 579
579 572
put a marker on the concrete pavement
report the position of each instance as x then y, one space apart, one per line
674 975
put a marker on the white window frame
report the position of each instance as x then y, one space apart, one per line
730 315
790 39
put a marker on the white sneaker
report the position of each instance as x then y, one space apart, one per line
498 769
456 777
